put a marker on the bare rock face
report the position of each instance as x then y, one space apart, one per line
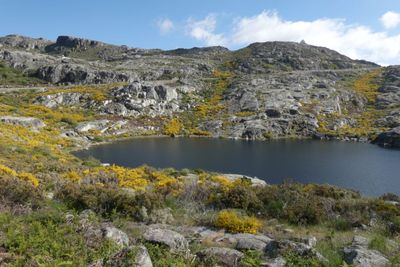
359 255
74 42
62 99
24 42
225 256
78 74
140 98
172 239
33 123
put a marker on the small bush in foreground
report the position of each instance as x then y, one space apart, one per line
107 200
295 260
234 223
15 191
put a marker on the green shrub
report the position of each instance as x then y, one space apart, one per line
304 211
394 226
44 239
331 251
163 257
251 259
107 200
295 260
378 243
241 197
341 224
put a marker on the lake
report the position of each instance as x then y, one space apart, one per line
367 168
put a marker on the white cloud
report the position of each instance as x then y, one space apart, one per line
390 19
165 26
353 40
204 30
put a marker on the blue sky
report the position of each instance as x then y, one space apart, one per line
357 28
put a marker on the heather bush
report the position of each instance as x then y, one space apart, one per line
14 191
240 197
107 200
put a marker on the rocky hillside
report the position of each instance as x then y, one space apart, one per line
58 210
266 90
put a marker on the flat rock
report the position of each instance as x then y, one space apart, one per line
172 239
252 242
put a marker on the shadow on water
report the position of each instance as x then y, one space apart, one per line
364 167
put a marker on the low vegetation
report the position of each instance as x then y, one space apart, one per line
13 77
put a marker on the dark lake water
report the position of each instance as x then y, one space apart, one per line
364 167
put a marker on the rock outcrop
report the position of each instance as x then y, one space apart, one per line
359 255
275 89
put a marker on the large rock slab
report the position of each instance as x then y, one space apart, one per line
172 239
99 125
358 254
252 242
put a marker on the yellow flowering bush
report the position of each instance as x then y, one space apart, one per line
173 127
29 177
165 182
235 223
130 178
4 170
73 176
7 171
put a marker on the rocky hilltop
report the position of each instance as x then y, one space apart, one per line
265 90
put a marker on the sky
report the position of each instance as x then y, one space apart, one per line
360 29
